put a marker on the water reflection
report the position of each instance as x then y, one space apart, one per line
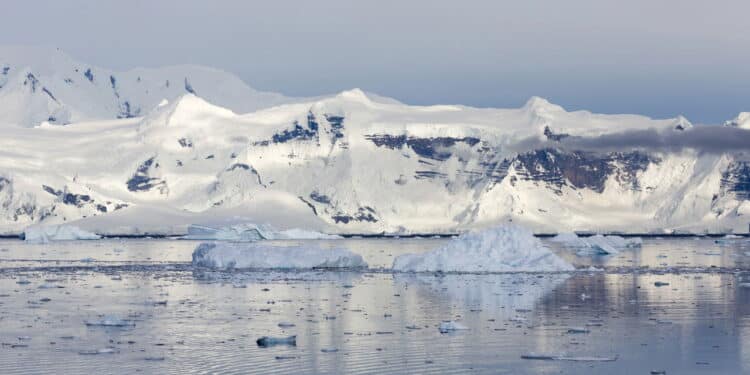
192 321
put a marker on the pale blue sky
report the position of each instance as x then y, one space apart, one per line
655 57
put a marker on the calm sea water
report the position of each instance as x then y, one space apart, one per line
188 321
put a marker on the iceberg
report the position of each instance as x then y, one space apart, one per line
598 244
230 255
505 248
47 233
249 232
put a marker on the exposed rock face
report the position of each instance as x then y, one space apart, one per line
736 180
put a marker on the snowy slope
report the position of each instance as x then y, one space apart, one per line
358 163
45 85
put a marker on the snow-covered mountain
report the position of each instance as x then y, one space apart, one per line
358 163
45 85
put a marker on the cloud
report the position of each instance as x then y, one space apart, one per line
704 139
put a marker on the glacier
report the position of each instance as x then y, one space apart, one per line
248 232
48 233
209 149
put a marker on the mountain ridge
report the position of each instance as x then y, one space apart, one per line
355 162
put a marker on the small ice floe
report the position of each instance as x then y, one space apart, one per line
284 357
98 351
729 238
110 321
503 248
262 256
576 330
47 233
267 341
564 357
50 286
598 244
451 326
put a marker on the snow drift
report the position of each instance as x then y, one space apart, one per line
47 233
504 248
261 256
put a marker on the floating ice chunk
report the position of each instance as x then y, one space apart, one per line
505 248
261 256
110 321
451 326
267 341
47 233
98 351
49 286
578 330
728 239
563 357
249 232
569 239
598 244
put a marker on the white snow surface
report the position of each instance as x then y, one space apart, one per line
252 232
259 255
503 248
196 145
48 233
742 121
46 86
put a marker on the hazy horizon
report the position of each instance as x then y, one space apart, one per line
660 60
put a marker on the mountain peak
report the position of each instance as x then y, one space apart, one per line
355 95
536 103
682 123
742 121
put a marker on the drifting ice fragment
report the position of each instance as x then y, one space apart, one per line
110 321
98 351
261 256
267 341
451 326
598 244
563 357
